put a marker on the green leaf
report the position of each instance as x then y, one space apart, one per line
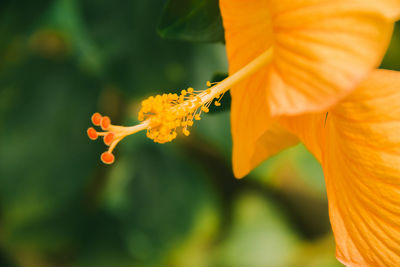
192 20
392 58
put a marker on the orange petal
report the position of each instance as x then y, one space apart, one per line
255 136
360 145
323 48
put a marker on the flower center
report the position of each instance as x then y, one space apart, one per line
163 115
168 112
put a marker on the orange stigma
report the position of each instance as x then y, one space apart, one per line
91 132
107 158
108 138
96 119
105 122
111 134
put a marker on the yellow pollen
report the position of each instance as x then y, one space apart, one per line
162 115
166 114
185 132
205 109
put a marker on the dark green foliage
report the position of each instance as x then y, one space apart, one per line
192 20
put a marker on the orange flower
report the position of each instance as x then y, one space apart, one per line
358 145
291 57
322 50
298 56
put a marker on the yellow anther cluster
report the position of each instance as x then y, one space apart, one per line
168 112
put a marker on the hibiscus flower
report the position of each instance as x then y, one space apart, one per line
304 70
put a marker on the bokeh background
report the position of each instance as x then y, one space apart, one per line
176 204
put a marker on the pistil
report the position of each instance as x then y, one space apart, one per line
163 114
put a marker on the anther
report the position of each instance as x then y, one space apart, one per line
205 109
190 90
185 132
107 157
208 83
108 138
217 104
105 123
96 118
91 132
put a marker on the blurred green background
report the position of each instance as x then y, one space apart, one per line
176 204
